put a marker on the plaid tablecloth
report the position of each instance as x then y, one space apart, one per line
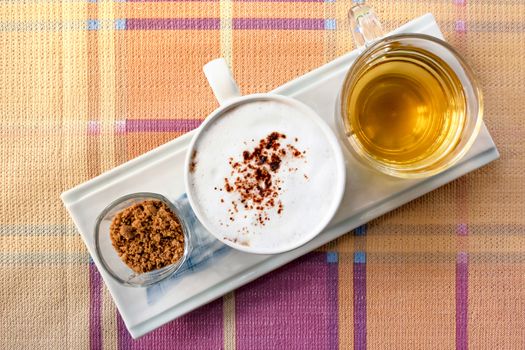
86 85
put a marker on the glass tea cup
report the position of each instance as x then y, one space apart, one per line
409 106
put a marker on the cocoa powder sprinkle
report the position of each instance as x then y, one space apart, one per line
193 162
253 177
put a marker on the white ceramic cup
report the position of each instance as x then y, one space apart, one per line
227 93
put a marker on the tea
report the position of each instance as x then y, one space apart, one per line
406 109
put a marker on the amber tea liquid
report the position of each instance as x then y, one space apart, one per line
406 110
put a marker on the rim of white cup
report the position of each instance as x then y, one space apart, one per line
338 183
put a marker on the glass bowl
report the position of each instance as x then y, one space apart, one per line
111 261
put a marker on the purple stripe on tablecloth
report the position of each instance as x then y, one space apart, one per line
173 23
161 125
125 341
333 300
462 230
462 301
93 127
359 300
460 26
200 329
95 308
279 23
286 308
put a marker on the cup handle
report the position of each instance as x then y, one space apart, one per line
364 24
221 80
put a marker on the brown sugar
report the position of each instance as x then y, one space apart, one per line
147 236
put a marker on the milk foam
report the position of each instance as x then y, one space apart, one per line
307 194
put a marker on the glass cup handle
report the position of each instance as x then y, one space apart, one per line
364 24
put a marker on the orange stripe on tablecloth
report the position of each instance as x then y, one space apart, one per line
496 300
167 9
444 243
279 10
292 59
346 300
139 143
410 303
157 87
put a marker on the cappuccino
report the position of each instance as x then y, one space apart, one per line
261 175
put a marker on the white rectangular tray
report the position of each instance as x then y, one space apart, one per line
368 195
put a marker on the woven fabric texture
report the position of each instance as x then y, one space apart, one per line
86 85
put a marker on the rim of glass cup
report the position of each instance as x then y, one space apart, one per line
185 232
362 155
